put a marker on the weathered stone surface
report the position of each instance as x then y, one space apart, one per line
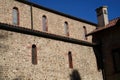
52 55
52 59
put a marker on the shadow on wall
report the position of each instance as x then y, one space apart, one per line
98 54
19 78
75 75
22 77
1 72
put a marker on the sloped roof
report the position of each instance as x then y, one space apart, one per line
111 24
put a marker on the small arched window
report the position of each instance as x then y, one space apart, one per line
66 28
44 23
85 32
15 16
70 59
34 54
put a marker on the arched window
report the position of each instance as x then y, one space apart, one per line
85 32
44 23
66 28
34 54
70 59
15 16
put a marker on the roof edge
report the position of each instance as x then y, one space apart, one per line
56 12
112 23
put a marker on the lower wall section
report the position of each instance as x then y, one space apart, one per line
52 59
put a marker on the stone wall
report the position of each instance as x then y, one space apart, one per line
55 21
15 48
53 64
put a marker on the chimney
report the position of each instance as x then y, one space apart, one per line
102 16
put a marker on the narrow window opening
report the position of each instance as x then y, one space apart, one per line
15 16
85 32
66 28
70 59
34 54
105 12
44 22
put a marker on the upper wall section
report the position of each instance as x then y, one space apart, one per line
55 23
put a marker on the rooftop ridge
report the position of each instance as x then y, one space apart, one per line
112 22
115 18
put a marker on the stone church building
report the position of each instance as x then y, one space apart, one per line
37 43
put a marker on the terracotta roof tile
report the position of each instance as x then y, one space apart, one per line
112 23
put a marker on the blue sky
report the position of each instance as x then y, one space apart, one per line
84 9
